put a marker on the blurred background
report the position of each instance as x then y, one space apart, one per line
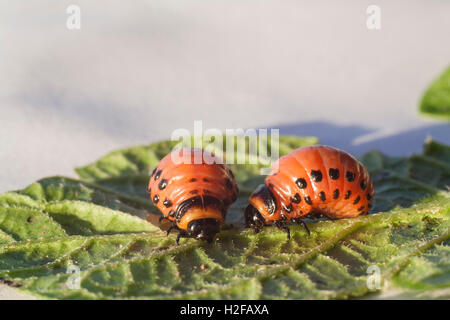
138 70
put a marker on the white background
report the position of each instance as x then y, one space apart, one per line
138 70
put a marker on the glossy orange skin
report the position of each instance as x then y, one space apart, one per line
299 164
187 180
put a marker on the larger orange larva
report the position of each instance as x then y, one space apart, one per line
192 193
311 180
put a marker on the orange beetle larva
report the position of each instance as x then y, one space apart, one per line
317 180
194 196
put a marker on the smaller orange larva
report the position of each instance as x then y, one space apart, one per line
193 196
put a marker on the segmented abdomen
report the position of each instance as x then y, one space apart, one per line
173 183
320 180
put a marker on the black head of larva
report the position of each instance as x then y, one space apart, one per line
264 193
203 229
253 219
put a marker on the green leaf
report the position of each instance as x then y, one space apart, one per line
403 181
101 225
436 100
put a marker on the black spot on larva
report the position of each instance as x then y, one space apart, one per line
322 196
158 174
363 184
229 184
336 194
155 199
348 194
153 172
162 185
357 200
308 200
350 176
334 173
167 203
301 183
172 213
205 180
193 180
194 192
369 196
361 208
287 208
296 198
316 175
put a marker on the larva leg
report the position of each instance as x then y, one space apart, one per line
253 219
181 234
173 226
300 221
282 226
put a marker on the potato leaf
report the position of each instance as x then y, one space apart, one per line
99 238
